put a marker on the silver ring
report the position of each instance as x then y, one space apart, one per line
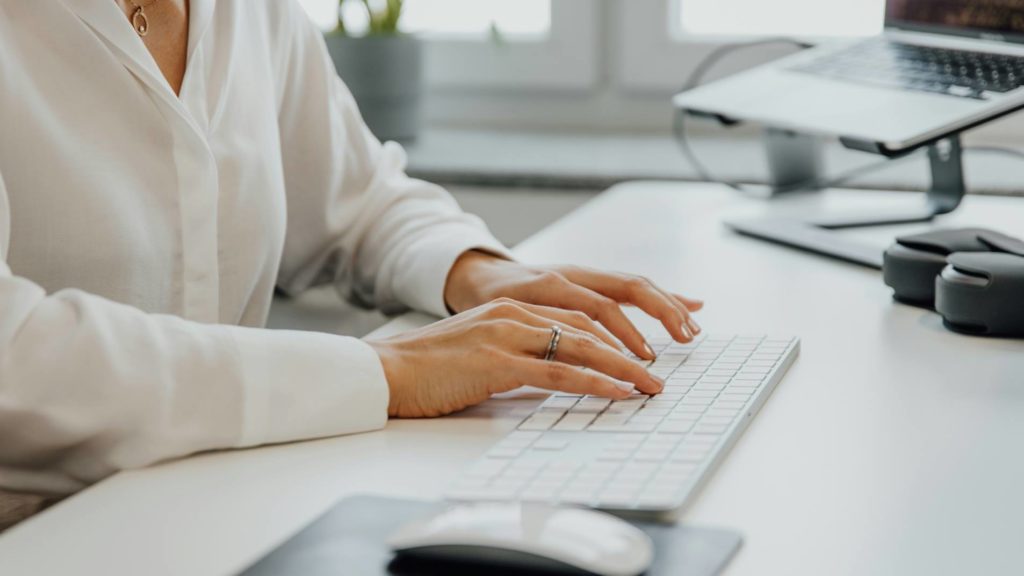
556 336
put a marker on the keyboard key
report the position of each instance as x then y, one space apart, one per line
652 455
639 427
676 469
708 420
574 421
610 420
621 410
559 402
591 405
615 455
660 440
626 442
680 426
704 393
709 429
719 372
540 421
736 395
635 470
550 444
723 412
520 473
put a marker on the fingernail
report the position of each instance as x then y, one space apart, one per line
686 330
650 351
694 327
658 382
625 386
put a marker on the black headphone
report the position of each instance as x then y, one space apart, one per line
974 278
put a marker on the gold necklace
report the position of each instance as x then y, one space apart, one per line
139 20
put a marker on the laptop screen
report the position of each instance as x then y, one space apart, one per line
989 19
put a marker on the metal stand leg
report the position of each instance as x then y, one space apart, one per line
794 159
817 234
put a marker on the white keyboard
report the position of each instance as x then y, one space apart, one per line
644 454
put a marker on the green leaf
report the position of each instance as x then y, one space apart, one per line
383 19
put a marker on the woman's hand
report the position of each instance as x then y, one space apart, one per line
478 278
500 346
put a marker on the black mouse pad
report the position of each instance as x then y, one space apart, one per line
351 539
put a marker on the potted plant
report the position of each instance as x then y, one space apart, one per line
383 68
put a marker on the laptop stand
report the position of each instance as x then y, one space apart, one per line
820 234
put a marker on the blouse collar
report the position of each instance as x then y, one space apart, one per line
109 23
106 19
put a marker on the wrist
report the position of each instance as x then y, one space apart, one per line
463 287
390 360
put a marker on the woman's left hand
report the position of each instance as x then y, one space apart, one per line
478 278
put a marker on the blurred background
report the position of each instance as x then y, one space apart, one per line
526 109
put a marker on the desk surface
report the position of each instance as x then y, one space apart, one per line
892 446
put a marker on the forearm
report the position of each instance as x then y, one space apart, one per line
89 387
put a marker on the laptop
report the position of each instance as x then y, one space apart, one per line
939 67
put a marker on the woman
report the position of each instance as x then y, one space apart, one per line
164 165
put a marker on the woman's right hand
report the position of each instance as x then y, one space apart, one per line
461 361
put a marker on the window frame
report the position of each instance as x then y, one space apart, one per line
567 59
660 63
601 70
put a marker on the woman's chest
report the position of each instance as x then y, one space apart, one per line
116 186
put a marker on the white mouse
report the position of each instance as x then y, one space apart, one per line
529 536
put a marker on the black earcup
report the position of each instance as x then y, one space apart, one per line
982 294
911 265
911 274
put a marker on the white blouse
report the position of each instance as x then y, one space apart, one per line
142 235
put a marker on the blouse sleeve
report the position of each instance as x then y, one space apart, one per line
354 218
89 386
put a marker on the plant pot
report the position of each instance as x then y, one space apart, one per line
385 74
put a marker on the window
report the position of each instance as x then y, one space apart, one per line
512 19
658 57
593 65
507 44
448 18
780 17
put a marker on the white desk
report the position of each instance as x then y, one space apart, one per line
892 447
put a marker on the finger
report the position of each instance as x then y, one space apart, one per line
570 379
644 295
609 314
559 292
540 316
584 350
690 321
692 304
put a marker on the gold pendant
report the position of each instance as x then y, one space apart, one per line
140 22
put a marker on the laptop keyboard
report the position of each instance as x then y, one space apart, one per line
961 73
